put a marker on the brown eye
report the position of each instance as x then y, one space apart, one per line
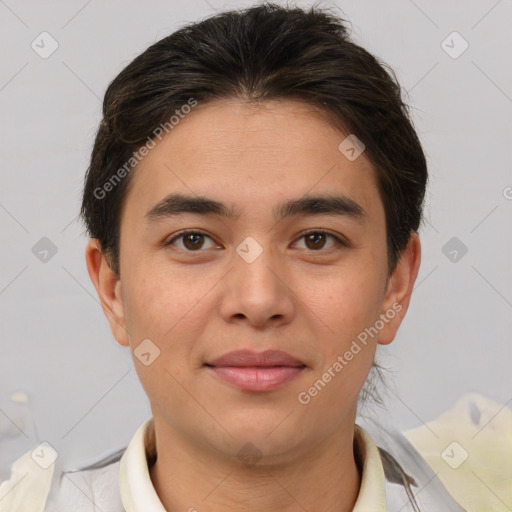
192 240
316 240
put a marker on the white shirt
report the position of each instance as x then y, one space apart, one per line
138 493
126 486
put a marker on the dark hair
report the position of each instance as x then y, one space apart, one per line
260 53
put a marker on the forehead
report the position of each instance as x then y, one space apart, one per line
249 156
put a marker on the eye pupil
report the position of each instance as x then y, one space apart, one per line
314 237
196 239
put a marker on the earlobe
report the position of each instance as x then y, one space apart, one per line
399 290
108 288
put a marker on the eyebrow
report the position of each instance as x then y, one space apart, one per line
331 204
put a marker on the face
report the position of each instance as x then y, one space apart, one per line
242 272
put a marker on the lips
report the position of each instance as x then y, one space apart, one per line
244 358
256 371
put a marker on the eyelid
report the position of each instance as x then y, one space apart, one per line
184 232
339 238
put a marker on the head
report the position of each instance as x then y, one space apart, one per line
255 130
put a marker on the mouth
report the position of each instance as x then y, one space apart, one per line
253 371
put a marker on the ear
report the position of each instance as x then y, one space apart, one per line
108 288
399 290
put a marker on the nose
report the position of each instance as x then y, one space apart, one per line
258 289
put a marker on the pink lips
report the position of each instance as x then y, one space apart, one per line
256 371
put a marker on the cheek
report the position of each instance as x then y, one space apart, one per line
345 302
169 315
156 298
169 310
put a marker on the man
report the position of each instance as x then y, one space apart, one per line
253 201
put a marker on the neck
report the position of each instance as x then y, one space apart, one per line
188 477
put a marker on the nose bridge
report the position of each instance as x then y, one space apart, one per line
253 263
257 288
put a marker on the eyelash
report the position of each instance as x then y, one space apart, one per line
339 240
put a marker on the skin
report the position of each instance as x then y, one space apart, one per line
310 301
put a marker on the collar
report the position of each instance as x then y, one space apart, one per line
139 495
372 493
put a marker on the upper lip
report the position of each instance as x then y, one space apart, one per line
250 358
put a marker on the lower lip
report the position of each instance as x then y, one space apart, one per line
257 378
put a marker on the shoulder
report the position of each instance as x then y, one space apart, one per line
38 482
39 488
28 485
410 484
469 447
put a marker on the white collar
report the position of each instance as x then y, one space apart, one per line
139 495
372 493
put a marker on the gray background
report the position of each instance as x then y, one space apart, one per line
56 346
